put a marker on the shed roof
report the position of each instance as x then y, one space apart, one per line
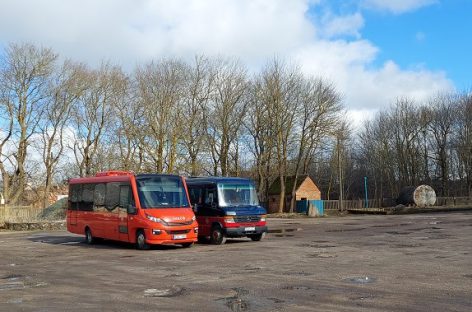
289 181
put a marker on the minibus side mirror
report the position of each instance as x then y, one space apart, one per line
131 209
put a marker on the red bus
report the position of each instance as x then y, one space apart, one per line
143 209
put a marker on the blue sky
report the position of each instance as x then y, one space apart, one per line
437 37
373 51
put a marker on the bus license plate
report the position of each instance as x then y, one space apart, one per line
249 229
180 236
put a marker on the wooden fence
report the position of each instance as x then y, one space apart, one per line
19 213
388 202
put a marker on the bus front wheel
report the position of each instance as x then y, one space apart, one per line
217 236
141 241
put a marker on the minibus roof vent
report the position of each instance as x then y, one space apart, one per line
113 173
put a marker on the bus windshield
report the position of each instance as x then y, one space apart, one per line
161 192
237 194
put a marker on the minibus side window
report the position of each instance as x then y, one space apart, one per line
75 194
112 199
210 197
125 196
99 194
86 203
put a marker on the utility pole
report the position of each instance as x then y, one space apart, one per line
340 174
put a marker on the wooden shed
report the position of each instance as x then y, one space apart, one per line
306 189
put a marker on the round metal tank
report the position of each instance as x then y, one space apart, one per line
422 196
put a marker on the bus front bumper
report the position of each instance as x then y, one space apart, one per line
245 231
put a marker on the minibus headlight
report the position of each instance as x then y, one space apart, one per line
155 219
229 219
263 218
194 218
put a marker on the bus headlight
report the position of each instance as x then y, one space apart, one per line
194 218
155 219
229 219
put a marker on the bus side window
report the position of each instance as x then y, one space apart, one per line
125 196
87 197
112 198
99 194
75 195
210 196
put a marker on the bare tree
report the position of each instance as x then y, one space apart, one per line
92 114
198 89
24 76
226 112
318 118
463 138
159 91
64 90
441 125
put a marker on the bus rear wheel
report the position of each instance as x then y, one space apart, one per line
141 241
217 236
89 239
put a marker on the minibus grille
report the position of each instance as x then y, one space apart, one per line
245 219
179 223
178 232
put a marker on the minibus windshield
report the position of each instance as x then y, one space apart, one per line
161 192
237 194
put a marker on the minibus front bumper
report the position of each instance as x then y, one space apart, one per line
245 231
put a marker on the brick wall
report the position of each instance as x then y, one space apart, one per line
308 190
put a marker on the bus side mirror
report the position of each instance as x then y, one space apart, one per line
131 209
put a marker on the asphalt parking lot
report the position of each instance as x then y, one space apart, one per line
417 262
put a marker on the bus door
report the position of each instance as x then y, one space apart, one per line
73 213
125 201
75 191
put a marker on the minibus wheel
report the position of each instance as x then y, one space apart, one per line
89 239
217 236
257 237
141 241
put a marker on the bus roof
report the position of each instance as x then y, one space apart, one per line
114 176
217 180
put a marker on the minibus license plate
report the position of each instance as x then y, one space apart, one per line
249 229
180 236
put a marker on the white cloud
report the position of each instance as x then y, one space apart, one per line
343 25
397 6
134 31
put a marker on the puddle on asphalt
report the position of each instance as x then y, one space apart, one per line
12 286
345 230
362 297
236 303
284 235
15 300
297 273
276 300
316 245
361 280
398 233
322 256
174 291
296 287
12 277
